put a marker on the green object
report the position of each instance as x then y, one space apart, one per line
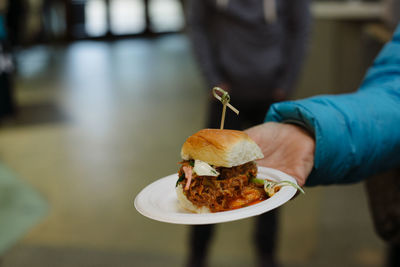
180 179
21 208
285 183
272 184
257 181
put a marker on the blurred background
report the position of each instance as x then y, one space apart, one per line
96 99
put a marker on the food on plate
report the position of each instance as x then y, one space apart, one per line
218 172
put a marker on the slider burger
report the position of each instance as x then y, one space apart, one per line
218 172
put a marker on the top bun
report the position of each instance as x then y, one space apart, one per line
222 148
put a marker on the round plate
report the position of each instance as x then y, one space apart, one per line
158 201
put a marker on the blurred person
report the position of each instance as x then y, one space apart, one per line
340 139
254 50
16 19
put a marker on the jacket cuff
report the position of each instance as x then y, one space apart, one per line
301 124
330 145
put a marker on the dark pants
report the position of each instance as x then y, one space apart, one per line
393 256
265 232
7 105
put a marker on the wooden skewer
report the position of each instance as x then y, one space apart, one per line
225 102
223 116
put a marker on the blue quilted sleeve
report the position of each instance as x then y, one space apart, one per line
356 134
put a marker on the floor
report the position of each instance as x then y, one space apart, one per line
98 121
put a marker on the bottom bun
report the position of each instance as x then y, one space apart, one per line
186 204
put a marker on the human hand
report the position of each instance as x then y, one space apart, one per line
286 147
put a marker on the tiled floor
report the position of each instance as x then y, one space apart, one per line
100 120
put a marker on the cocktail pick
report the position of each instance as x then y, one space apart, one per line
225 98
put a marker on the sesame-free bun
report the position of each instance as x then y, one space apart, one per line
222 148
186 204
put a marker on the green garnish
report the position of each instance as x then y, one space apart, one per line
257 181
271 184
191 162
291 184
180 179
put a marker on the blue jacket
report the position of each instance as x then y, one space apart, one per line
356 134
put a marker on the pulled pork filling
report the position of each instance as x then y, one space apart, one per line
230 190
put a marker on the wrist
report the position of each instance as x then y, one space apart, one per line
304 141
302 125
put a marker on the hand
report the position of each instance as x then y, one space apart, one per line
286 147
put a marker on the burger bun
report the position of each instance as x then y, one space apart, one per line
222 148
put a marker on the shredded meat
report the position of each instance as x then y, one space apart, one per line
225 192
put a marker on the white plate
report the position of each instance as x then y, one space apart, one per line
158 201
